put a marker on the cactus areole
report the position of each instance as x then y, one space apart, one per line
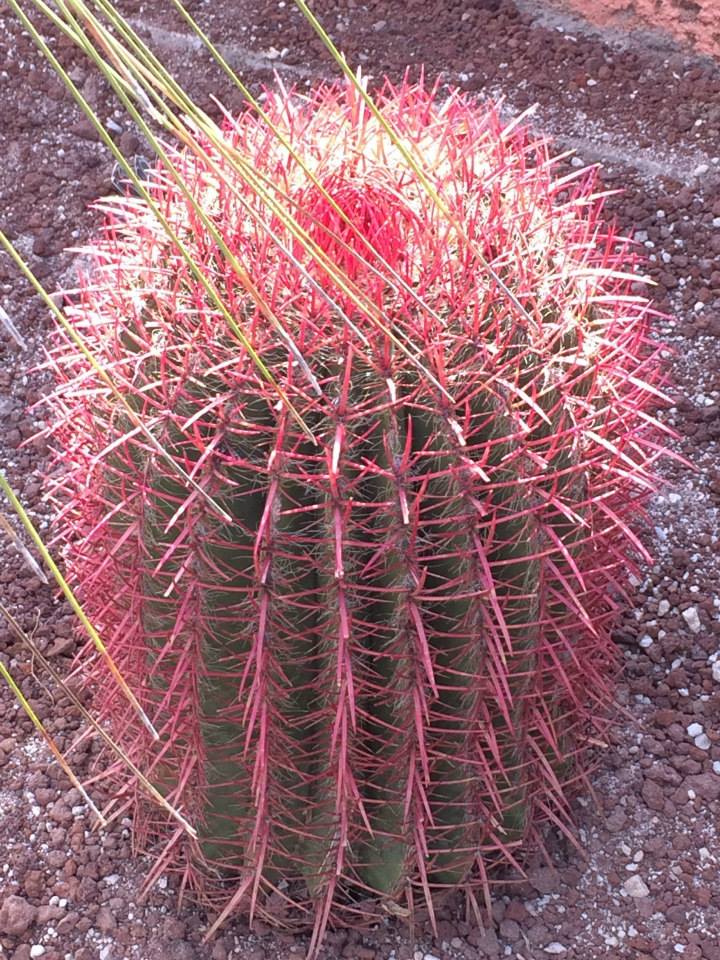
376 647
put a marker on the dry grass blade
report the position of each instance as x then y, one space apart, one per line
12 330
22 549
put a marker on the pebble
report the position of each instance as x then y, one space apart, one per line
105 921
16 916
663 607
555 947
695 729
692 619
509 930
702 742
636 887
37 950
716 671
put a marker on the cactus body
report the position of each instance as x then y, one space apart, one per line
381 676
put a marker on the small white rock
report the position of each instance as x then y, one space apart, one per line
555 947
691 618
37 950
716 671
663 607
716 767
636 887
695 729
702 742
646 641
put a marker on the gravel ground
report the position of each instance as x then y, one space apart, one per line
647 885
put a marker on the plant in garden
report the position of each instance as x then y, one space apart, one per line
374 635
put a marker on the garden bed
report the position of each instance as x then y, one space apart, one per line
648 884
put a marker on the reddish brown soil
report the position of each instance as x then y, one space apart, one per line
693 21
653 119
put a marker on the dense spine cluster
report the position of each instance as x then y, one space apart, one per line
379 674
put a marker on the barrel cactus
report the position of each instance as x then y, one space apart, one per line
375 644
